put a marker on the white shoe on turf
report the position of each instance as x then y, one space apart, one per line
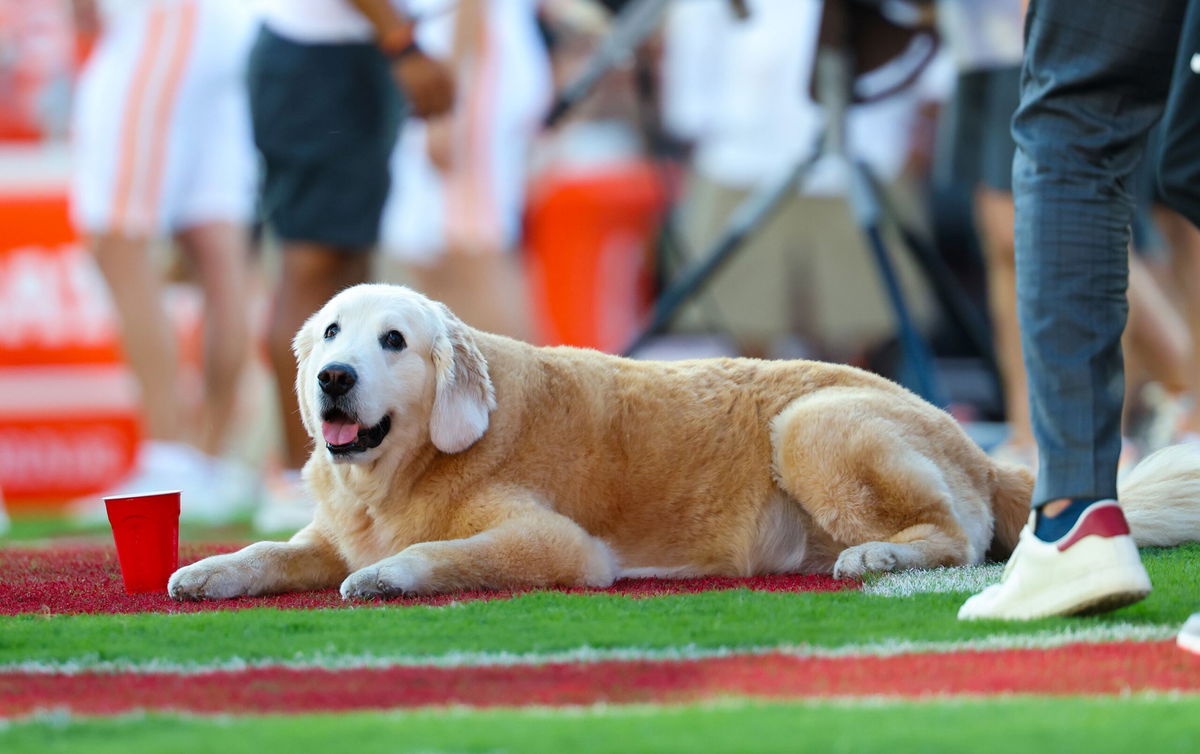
286 507
1093 568
212 491
1189 635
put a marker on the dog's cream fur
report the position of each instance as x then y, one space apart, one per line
509 465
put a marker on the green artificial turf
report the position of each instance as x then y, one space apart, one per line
1062 725
43 529
552 621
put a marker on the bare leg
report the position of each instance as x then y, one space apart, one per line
220 251
1184 241
994 210
309 276
150 349
1157 339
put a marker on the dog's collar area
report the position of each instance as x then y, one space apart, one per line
367 438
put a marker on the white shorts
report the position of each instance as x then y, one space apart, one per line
479 202
161 129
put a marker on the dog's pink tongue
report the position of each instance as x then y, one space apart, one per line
339 433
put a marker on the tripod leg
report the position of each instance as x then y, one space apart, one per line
749 216
918 357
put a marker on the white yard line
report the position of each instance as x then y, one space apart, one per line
966 579
334 661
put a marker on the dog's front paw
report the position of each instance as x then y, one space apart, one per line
217 578
860 559
403 574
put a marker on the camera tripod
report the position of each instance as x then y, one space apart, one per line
833 89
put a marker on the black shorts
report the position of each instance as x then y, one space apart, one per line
325 120
981 145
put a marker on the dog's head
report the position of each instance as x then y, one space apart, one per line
382 366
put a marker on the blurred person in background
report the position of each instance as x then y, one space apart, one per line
738 91
162 149
1093 85
985 38
325 91
454 216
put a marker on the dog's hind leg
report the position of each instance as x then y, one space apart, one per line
846 456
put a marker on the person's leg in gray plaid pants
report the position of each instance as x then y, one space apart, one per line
1093 83
1092 86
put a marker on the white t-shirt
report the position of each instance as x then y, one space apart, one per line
982 33
319 20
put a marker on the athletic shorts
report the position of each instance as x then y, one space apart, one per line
980 137
161 128
325 121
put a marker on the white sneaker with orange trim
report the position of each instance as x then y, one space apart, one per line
1093 568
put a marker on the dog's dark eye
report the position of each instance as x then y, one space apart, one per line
332 330
392 341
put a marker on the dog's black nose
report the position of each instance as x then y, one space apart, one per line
336 379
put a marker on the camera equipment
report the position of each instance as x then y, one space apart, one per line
856 38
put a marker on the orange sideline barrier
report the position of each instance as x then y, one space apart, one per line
588 236
68 415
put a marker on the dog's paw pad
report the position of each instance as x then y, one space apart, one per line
400 575
362 584
861 559
206 581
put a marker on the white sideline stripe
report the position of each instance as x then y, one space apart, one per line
60 717
322 661
966 579
37 392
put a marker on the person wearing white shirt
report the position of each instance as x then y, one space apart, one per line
738 91
162 148
329 83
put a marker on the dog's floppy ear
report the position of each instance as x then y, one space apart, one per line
463 395
302 347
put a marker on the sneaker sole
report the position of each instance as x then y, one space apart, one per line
1109 603
1189 643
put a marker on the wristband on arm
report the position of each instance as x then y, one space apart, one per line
398 43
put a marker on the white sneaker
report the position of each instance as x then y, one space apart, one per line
286 507
1093 568
1189 635
213 491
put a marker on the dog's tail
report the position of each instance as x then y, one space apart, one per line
1160 497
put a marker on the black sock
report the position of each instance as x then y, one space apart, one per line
1052 528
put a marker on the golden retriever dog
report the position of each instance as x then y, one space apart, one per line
447 458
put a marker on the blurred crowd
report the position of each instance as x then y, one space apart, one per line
214 147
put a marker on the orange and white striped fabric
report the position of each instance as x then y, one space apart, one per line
161 127
503 92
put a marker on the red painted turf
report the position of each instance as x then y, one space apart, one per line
1078 669
85 578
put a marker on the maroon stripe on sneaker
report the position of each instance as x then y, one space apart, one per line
1076 669
1104 520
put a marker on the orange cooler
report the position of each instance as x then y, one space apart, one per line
590 234
68 406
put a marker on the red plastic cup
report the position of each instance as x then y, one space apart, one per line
146 530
